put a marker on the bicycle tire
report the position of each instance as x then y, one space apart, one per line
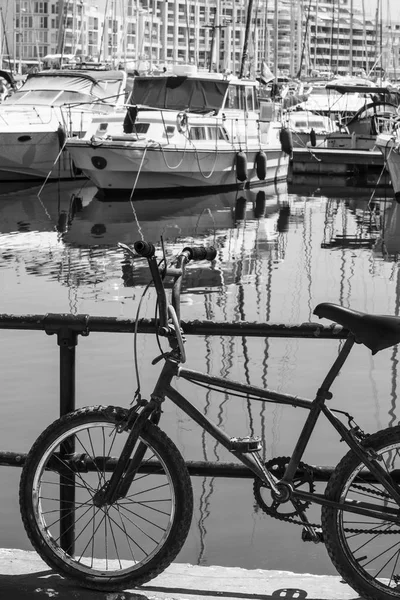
365 550
118 546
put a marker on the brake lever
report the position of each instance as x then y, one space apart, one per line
127 249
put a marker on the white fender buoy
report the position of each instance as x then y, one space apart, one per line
261 165
259 208
285 138
241 166
240 208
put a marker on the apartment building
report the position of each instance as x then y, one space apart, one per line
293 37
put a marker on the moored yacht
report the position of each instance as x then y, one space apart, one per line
36 120
189 129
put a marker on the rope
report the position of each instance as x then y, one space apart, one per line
137 175
52 167
380 176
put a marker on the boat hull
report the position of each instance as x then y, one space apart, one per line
365 167
127 167
390 149
34 156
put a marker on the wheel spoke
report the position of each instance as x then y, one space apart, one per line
108 545
366 550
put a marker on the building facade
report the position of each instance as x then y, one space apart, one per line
293 37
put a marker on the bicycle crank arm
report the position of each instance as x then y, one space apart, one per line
353 506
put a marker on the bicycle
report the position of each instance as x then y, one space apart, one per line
106 498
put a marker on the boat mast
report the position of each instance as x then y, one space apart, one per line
351 39
366 60
276 15
304 40
61 27
246 38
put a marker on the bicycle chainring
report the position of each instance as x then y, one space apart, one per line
284 511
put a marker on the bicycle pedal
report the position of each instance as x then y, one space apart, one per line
246 444
306 536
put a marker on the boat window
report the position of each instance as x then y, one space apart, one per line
112 90
168 131
216 133
44 97
256 102
73 98
197 133
249 98
141 127
233 98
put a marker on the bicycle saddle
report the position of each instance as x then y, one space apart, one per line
377 332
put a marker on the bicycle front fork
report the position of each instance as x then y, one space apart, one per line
126 468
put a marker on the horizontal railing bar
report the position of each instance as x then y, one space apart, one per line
84 324
195 468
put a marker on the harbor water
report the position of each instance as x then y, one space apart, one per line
280 251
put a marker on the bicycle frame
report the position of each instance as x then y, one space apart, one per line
163 389
172 368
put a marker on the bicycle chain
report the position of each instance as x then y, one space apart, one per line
288 519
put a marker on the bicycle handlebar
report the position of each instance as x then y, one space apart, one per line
200 252
147 250
176 271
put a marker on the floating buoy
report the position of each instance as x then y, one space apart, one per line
241 166
313 138
62 136
259 209
282 224
285 138
261 165
62 223
240 208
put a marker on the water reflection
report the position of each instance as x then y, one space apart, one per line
69 233
280 251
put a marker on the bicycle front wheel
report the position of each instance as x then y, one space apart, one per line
365 550
108 547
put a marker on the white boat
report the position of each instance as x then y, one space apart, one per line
186 130
36 120
309 129
352 150
389 144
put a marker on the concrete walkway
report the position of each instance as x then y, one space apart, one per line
24 576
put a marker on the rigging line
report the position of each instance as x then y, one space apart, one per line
394 359
264 372
209 212
52 167
165 160
381 174
137 175
205 497
135 216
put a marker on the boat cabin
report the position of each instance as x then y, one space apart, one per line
201 93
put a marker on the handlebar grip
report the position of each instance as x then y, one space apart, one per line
200 252
145 249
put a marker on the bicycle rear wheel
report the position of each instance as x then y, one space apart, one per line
365 550
114 546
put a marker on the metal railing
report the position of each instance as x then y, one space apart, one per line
68 328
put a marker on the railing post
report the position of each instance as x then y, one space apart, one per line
67 339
